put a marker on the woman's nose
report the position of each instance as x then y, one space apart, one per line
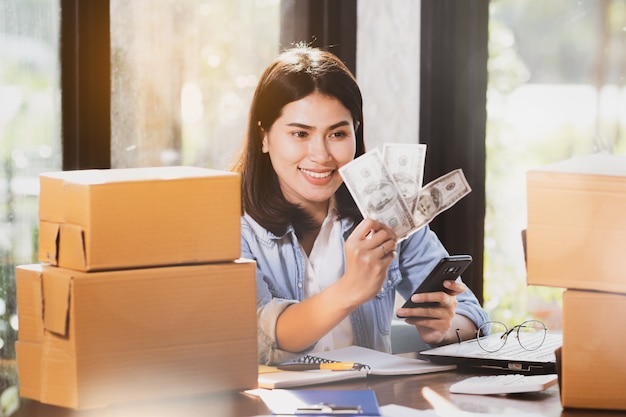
318 150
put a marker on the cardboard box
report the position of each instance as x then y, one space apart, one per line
593 370
576 231
130 335
138 217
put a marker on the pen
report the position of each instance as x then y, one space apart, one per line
332 366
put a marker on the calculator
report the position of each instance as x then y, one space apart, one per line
504 384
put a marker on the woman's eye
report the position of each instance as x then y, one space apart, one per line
338 135
300 134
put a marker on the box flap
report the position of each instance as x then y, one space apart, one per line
29 297
598 164
57 297
140 174
72 248
48 242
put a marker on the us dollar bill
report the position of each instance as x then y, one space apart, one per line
406 161
439 195
376 193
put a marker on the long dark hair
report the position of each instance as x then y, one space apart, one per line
293 75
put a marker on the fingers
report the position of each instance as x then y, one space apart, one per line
377 238
388 248
436 318
442 307
440 298
370 249
455 287
434 322
369 228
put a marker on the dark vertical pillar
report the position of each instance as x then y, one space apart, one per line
453 117
85 84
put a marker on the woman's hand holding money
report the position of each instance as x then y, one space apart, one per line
369 251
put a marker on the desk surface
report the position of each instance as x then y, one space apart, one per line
401 390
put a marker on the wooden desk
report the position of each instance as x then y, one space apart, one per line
401 390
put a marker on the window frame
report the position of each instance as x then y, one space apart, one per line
85 84
453 119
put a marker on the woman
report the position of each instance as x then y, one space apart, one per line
326 277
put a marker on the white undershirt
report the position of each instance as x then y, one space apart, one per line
324 266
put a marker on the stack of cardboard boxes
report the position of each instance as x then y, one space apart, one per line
576 239
140 293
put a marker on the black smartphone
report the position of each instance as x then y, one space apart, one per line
448 268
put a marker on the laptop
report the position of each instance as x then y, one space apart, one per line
512 358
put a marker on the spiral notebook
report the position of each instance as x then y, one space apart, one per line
376 363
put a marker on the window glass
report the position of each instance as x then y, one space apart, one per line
30 143
390 86
556 89
182 76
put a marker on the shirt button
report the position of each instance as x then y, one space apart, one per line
299 285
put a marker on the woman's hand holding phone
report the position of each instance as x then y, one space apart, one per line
441 281
432 306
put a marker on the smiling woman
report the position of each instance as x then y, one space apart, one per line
317 260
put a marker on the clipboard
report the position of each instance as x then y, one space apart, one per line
292 402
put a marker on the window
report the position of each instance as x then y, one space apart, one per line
182 74
390 87
29 143
556 90
182 77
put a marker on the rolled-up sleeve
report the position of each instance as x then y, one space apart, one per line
470 308
267 316
272 295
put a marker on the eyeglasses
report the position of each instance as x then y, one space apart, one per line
530 335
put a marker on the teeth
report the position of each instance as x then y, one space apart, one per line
317 174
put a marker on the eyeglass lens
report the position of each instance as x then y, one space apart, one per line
492 336
530 335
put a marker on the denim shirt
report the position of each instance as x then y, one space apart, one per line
280 275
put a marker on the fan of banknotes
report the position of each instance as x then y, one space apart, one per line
388 187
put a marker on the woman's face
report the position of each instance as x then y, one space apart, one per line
307 144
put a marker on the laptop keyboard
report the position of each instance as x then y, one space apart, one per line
512 349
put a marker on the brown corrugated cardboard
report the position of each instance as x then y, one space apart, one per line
138 217
29 298
576 231
128 335
593 367
28 357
